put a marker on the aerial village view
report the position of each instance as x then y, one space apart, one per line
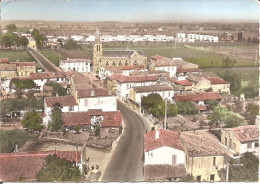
129 91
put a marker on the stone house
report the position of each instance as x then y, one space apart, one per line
241 139
203 157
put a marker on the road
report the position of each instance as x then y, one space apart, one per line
126 164
46 64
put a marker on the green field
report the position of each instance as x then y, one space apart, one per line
52 56
248 75
17 56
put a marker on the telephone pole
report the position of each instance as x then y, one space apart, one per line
165 114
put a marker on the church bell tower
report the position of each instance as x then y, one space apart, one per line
97 52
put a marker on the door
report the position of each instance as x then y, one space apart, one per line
225 141
212 177
230 143
174 159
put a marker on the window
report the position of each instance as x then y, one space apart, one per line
199 178
225 141
249 145
256 144
107 63
120 63
71 108
212 177
135 63
86 102
126 63
169 94
174 159
214 161
114 64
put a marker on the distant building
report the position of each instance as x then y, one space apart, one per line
116 58
241 139
78 65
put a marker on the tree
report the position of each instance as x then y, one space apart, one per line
57 88
22 41
187 108
212 104
252 111
97 130
177 121
38 37
235 82
246 171
56 117
22 84
58 170
32 120
249 91
6 41
11 28
172 110
71 44
232 121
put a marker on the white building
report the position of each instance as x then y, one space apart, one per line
163 147
124 83
78 65
180 35
77 37
163 64
165 91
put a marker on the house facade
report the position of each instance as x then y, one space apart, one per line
203 157
78 65
241 139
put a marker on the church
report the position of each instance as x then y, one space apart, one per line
116 58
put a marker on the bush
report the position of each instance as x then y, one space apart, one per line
173 110
57 88
71 44
58 170
11 138
23 84
187 108
32 120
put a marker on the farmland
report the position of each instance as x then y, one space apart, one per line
17 56
52 56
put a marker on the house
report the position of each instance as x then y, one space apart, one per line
164 90
25 68
163 151
149 73
124 83
68 103
78 65
109 121
182 73
163 64
181 64
184 85
8 70
27 165
203 157
107 71
241 139
199 99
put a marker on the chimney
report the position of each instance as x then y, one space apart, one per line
92 92
157 134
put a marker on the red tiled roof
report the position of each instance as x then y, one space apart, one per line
217 81
25 64
75 118
28 165
112 119
4 60
132 67
201 107
184 83
97 92
199 97
156 57
63 100
76 61
246 133
166 138
7 67
125 79
51 75
184 70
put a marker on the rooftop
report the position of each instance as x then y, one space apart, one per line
186 70
166 138
156 57
24 63
126 79
198 97
246 133
81 82
51 75
132 67
215 81
199 145
28 165
153 88
63 100
76 61
183 83
121 53
8 67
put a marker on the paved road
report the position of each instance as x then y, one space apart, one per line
126 163
44 61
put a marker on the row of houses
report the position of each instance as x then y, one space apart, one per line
173 155
191 37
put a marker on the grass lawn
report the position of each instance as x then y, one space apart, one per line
10 138
247 74
20 56
52 56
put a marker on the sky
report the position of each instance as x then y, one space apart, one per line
131 10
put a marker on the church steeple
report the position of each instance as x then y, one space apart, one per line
97 51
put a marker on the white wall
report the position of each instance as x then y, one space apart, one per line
171 69
78 67
244 148
107 103
163 155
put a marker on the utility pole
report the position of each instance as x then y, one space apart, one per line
227 171
165 114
